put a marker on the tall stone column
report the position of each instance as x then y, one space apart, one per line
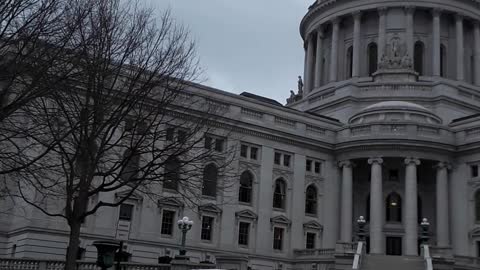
411 204
436 42
376 206
347 201
382 31
357 16
476 36
460 49
443 238
409 10
334 51
319 58
310 59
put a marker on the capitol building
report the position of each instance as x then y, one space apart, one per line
385 124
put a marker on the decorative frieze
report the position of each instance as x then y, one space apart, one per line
284 121
252 113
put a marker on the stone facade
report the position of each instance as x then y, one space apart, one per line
387 127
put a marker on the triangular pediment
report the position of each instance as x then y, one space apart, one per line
211 208
170 201
280 220
313 225
247 214
126 193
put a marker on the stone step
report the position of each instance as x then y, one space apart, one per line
383 262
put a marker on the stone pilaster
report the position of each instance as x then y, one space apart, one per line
443 229
460 48
357 16
376 206
319 58
411 204
409 11
436 42
310 65
382 25
347 201
334 51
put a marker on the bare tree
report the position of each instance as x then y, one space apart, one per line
122 120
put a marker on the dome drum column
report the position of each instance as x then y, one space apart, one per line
334 50
460 49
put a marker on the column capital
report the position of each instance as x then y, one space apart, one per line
346 163
357 15
476 23
412 160
320 32
377 160
335 20
409 9
459 17
443 165
382 11
436 12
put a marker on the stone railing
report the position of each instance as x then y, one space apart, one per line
441 252
319 252
345 248
468 261
39 264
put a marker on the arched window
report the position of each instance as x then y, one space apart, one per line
443 60
418 57
311 200
349 62
210 175
394 208
477 206
372 58
172 173
279 194
245 192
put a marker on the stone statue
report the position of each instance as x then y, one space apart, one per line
396 56
300 85
292 97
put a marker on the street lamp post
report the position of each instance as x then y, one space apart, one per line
184 225
424 235
361 229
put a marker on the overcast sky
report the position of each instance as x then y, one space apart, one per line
245 45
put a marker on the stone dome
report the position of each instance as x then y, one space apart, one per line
395 111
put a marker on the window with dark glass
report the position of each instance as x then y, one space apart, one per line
254 153
243 150
308 166
170 134
394 208
393 175
126 212
372 58
311 200
310 243
277 158
210 175
350 62
278 238
286 160
245 192
181 136
318 167
279 194
208 142
443 59
243 233
207 228
474 170
477 206
418 57
131 167
167 222
172 174
219 144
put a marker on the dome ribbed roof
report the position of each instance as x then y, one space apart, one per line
396 105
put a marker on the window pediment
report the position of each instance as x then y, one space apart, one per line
210 208
170 201
313 225
281 220
246 214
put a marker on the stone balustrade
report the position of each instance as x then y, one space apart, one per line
319 252
40 264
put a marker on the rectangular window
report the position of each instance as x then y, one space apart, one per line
309 165
167 222
474 169
207 223
170 134
181 136
318 167
254 153
310 243
277 238
208 142
393 175
126 212
219 145
478 249
277 158
243 150
286 160
243 233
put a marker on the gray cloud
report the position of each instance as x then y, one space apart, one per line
247 45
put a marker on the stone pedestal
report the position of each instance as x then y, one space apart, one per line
232 262
182 263
395 75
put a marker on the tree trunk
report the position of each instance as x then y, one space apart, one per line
73 244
